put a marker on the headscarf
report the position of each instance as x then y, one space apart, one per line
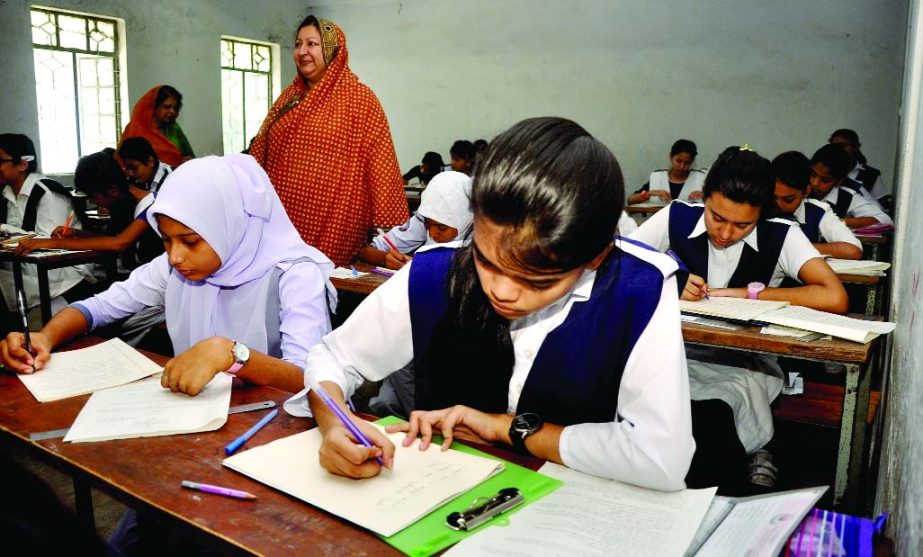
231 204
447 199
329 154
142 125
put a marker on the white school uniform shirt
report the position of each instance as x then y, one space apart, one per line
796 249
406 237
163 170
626 225
53 211
831 228
660 180
860 206
651 445
878 190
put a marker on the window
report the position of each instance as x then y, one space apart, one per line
246 90
76 85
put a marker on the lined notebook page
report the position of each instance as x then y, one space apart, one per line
731 308
858 330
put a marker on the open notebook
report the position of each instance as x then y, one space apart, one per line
781 313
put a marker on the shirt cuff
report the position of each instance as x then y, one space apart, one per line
86 314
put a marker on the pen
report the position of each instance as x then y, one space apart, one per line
682 267
67 223
218 490
378 271
390 243
335 408
21 304
236 444
353 269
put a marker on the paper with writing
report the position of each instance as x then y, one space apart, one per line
731 308
78 372
419 482
849 266
858 330
145 409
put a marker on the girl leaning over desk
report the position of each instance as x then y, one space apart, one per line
538 312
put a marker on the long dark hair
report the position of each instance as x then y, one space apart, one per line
852 138
558 193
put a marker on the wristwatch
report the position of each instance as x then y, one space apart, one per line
241 355
523 426
754 289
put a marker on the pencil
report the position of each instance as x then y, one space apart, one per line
236 444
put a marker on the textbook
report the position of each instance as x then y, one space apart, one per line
797 317
77 372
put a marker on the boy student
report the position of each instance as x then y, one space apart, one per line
732 249
818 222
829 167
141 164
33 203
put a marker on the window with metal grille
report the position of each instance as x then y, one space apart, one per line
76 85
246 90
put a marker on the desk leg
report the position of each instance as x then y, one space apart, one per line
851 459
44 294
83 499
872 300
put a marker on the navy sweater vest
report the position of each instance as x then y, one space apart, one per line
753 266
576 373
813 214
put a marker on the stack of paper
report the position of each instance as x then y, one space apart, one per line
344 273
419 482
738 309
850 267
78 372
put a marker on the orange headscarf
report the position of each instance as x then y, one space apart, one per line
142 124
329 154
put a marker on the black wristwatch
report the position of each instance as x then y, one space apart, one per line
523 426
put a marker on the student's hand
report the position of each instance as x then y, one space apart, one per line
193 369
696 196
645 195
14 356
61 232
341 454
662 194
459 422
27 246
395 259
696 289
729 293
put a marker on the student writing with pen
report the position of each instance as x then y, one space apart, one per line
539 330
444 215
733 247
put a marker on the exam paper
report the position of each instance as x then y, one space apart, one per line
594 517
731 308
419 482
344 273
857 330
145 409
78 372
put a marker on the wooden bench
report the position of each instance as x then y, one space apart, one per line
820 404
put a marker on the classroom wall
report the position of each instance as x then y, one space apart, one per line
168 41
637 74
900 481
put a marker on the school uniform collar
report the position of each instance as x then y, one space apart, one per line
699 229
26 189
799 213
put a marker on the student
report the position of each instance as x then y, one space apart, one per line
100 178
681 181
829 167
430 166
141 164
862 171
827 232
462 153
33 203
731 249
529 318
444 214
243 294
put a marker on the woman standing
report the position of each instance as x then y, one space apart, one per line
154 118
327 148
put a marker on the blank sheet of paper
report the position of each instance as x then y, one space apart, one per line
419 482
78 372
145 409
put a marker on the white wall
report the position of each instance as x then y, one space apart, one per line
901 477
638 74
168 41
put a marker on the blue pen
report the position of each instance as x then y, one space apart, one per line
236 444
353 267
335 408
682 266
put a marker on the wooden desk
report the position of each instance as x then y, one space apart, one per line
857 359
45 263
875 247
643 209
146 473
363 285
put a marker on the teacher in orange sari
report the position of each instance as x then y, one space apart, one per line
327 148
154 118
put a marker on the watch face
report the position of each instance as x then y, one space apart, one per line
527 423
241 353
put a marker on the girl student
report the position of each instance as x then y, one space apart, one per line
540 331
100 177
680 181
141 164
848 198
817 220
230 249
462 156
732 247
862 171
444 214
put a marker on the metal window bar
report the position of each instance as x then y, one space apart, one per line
233 45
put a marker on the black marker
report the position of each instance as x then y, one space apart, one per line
21 302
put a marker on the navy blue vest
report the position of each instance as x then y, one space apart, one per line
754 266
843 200
576 374
868 176
813 214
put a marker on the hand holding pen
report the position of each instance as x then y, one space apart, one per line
24 352
394 259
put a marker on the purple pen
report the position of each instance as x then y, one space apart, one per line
218 490
382 273
335 408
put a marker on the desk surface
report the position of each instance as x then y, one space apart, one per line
63 259
643 209
360 285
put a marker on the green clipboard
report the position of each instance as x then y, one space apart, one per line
430 534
